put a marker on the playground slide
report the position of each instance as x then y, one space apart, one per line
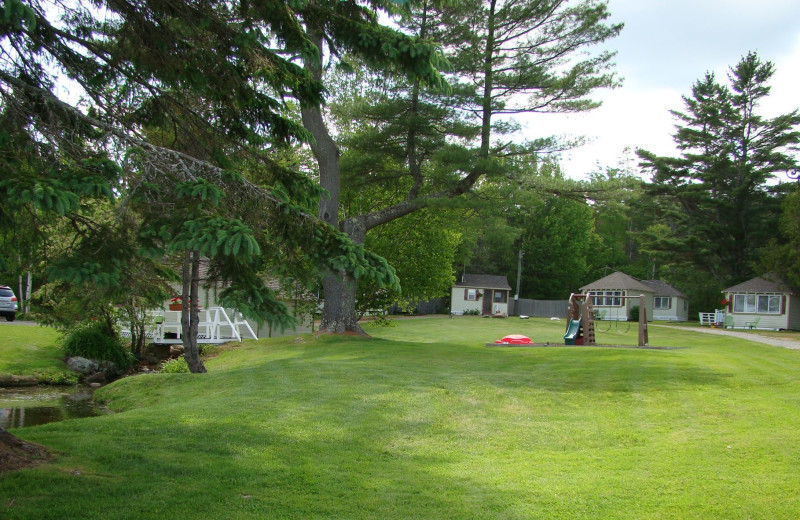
572 331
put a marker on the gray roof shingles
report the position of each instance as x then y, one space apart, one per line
487 281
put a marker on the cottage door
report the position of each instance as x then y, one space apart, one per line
488 297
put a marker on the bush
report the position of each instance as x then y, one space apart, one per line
175 366
52 377
92 341
634 313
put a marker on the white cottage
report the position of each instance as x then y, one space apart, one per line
764 302
607 293
669 303
481 293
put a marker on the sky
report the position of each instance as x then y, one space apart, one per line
665 47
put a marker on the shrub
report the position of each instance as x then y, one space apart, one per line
472 312
92 341
175 366
52 377
634 313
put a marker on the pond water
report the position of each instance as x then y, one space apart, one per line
35 405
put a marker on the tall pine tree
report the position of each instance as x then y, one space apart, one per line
719 207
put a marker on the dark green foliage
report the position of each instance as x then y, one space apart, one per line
92 340
634 313
716 207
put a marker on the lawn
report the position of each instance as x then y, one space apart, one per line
29 351
423 421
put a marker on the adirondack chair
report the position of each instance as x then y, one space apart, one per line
752 324
728 323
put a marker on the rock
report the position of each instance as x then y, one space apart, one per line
97 377
109 369
95 385
175 351
82 365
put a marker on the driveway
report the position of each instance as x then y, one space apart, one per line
16 322
776 342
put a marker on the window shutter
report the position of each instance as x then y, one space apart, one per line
783 304
466 294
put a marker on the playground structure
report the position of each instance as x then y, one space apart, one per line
580 320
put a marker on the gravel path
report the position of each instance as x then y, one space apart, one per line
785 343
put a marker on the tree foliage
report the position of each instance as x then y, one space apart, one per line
718 207
153 104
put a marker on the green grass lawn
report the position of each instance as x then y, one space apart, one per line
29 350
422 421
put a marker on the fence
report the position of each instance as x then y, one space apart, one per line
538 308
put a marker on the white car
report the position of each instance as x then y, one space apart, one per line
8 303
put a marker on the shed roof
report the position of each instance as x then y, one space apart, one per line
488 281
617 280
662 288
767 283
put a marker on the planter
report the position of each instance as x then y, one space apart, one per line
175 306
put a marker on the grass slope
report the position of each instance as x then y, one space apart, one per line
423 421
29 350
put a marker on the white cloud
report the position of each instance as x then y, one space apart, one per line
664 48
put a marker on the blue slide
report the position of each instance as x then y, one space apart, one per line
572 332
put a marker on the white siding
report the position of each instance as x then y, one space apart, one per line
678 310
458 304
790 319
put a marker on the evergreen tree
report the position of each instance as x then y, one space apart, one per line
499 52
718 207
221 77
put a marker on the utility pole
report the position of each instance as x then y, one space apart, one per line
519 276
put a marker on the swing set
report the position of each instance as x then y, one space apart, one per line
581 320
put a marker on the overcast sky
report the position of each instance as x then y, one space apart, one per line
665 47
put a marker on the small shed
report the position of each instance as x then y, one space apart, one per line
669 303
764 302
480 293
607 293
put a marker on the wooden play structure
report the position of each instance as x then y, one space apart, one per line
580 320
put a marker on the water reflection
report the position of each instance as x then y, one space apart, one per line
31 406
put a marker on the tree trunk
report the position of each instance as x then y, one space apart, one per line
339 311
189 312
16 453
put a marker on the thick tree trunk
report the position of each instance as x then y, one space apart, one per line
339 313
189 312
16 453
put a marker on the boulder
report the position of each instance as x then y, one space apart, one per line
82 365
109 369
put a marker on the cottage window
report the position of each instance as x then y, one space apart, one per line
606 298
500 296
757 303
662 302
471 294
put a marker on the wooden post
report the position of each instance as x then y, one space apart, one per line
643 339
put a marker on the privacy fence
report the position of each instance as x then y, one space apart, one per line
538 308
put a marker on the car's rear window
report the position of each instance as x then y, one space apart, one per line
6 292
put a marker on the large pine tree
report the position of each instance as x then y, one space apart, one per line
718 207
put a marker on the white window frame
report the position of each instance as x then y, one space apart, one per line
658 302
751 303
500 296
472 295
606 298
